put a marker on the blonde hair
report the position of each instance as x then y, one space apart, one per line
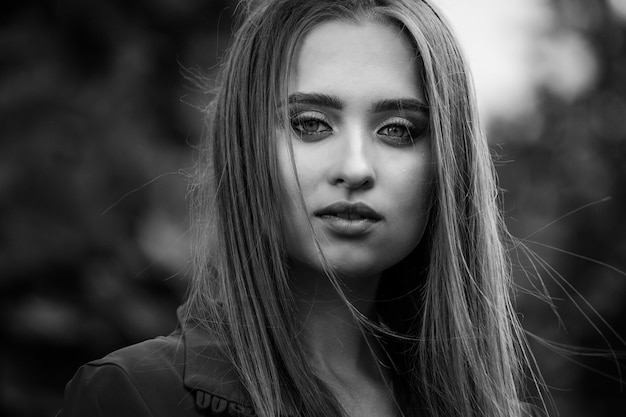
452 331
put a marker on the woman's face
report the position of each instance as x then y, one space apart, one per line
361 148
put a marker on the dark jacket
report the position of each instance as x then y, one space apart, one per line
182 374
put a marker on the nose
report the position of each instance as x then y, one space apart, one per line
353 165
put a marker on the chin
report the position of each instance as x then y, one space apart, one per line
357 268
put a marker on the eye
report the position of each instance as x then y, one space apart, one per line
401 132
310 124
397 131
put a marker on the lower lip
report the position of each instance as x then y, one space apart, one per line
348 227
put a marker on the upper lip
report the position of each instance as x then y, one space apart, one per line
349 209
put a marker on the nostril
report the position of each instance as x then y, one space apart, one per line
361 182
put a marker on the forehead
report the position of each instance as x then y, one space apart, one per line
356 57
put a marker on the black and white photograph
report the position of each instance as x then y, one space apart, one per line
313 208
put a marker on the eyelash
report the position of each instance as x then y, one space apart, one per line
299 119
413 131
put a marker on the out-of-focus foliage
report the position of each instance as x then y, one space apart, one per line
564 171
94 132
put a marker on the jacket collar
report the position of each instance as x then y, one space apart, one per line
205 367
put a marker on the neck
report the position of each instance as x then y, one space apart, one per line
338 347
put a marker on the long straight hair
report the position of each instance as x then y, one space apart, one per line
452 330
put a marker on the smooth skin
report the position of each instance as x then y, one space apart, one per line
359 134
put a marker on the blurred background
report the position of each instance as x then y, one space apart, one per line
97 128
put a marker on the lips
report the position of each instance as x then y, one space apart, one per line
349 211
350 219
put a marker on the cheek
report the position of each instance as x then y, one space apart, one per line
413 197
292 210
289 179
300 176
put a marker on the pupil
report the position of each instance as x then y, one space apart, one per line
311 125
396 131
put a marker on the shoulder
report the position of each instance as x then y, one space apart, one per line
131 381
174 375
147 362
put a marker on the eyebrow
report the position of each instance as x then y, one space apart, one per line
316 99
325 100
408 104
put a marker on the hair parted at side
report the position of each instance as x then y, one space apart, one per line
456 342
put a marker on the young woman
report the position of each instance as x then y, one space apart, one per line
348 246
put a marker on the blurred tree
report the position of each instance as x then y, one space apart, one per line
567 170
92 203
